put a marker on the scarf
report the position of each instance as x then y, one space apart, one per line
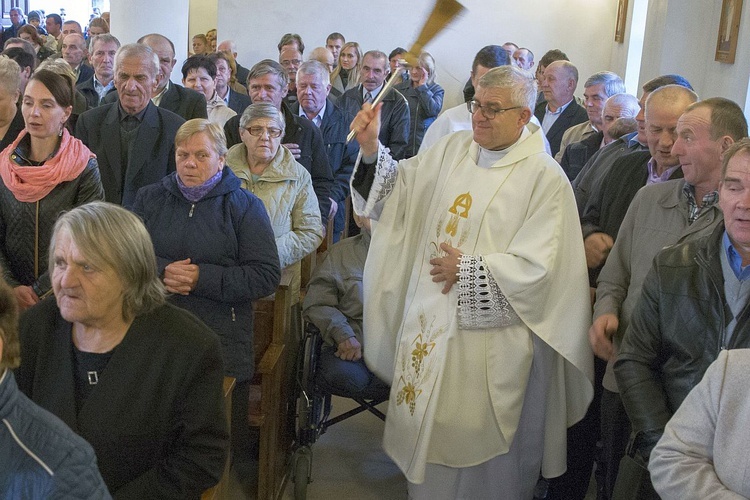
31 184
196 193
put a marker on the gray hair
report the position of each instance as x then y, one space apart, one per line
103 38
141 51
10 75
269 67
232 45
113 237
522 84
315 68
201 125
628 104
262 110
612 83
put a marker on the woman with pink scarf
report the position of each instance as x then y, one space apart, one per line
44 172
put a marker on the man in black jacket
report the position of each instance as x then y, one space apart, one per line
268 82
694 304
394 117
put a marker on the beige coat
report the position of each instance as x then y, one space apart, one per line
285 188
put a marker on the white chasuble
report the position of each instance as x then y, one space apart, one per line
457 394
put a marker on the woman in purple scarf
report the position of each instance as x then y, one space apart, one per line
215 249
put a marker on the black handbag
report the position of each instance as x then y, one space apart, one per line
633 479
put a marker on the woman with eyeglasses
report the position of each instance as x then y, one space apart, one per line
270 171
215 251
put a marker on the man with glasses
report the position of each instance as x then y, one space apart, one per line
290 58
476 299
459 117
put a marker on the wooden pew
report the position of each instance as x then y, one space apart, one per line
275 349
221 490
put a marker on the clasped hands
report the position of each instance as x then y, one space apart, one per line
181 276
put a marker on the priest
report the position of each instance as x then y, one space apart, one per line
476 299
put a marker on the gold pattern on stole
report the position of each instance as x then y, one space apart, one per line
458 224
414 373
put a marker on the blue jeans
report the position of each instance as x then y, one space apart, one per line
347 378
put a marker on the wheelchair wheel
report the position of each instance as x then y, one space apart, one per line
301 472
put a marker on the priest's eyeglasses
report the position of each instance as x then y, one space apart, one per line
259 131
488 111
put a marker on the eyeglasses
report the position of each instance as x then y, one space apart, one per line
290 62
258 131
487 112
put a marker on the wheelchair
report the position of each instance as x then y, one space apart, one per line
314 408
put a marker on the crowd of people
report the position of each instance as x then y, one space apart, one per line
542 280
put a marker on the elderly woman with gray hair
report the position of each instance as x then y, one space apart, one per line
215 250
269 171
139 379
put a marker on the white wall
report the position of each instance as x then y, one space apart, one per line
128 23
681 38
584 29
203 15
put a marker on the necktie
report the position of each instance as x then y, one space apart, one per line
368 97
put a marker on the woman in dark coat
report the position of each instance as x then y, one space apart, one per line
139 379
215 249
43 172
425 100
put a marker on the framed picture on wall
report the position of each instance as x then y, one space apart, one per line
622 16
729 28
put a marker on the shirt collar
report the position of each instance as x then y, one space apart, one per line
654 177
559 110
734 259
632 139
157 98
317 119
374 93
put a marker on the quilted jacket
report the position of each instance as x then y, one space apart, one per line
287 193
26 228
41 456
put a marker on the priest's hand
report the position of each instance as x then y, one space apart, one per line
367 126
601 333
445 269
597 246
349 350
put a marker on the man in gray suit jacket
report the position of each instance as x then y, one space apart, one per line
112 131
